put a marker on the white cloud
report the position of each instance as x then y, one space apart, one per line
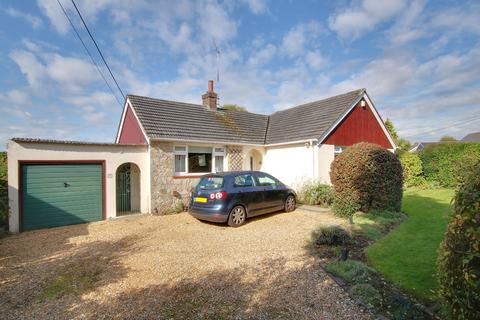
34 21
52 10
294 42
257 6
262 56
30 66
352 22
315 60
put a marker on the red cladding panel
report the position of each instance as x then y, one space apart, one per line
360 125
131 132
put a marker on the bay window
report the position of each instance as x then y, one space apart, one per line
198 159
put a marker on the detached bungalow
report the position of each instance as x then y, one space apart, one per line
162 148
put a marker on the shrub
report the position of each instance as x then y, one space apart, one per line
367 294
330 235
412 169
366 177
446 163
316 194
350 270
3 191
459 255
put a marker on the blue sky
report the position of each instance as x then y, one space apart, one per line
419 60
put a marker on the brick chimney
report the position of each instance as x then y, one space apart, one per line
209 98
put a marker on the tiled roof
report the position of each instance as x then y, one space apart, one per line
472 137
72 142
308 121
162 119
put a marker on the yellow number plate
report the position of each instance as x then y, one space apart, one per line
202 200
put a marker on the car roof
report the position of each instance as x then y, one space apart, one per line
231 173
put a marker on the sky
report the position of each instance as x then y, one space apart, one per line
418 60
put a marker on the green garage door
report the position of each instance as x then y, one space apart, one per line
60 194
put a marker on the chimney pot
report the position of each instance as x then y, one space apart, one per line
209 98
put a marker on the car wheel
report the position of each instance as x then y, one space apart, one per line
290 203
237 216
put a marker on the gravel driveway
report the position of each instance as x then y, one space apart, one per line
173 267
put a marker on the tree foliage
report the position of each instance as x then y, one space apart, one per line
446 163
459 256
391 129
366 177
447 138
3 190
412 169
235 107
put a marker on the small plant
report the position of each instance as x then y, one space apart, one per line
345 207
351 271
367 294
316 194
330 235
459 256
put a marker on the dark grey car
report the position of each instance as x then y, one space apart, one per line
233 197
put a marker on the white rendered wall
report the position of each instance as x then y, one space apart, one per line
326 154
114 156
292 164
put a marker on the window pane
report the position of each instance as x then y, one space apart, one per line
199 162
208 183
266 181
219 150
179 163
180 149
243 180
199 149
218 163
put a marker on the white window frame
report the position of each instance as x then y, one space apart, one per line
215 152
337 152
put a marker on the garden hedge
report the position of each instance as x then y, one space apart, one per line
459 255
412 169
366 177
446 163
3 191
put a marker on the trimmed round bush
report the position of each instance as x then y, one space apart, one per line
412 169
366 177
330 235
459 255
316 194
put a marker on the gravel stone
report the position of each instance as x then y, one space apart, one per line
175 267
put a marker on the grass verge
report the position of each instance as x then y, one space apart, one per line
407 255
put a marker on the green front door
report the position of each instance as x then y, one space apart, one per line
60 194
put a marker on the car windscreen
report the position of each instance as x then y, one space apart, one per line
210 183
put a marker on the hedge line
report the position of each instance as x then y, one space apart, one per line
446 164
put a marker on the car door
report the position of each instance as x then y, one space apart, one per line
272 191
247 193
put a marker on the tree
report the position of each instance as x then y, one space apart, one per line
391 129
235 107
403 144
447 138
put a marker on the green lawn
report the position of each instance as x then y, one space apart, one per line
408 254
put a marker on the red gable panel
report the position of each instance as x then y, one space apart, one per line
360 125
131 132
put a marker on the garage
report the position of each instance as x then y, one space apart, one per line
57 194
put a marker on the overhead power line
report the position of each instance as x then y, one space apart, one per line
88 52
98 49
456 124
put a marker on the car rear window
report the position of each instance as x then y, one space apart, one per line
211 182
